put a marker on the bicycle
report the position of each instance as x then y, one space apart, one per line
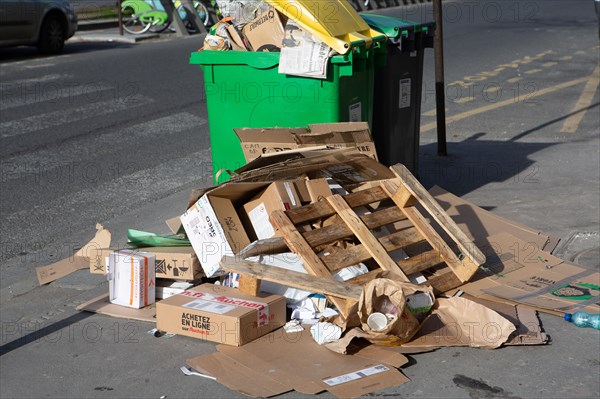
141 16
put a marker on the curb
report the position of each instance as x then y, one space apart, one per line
84 26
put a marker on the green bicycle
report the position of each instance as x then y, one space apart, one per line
141 16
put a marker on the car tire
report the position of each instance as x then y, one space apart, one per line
52 36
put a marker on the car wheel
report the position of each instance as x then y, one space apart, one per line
52 36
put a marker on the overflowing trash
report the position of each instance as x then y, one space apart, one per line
326 252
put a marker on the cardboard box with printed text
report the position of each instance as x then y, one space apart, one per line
179 263
220 314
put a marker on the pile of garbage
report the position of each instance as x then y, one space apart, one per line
257 26
323 255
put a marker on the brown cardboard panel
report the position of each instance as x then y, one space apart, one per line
524 274
257 142
178 263
237 376
529 330
347 167
80 260
479 224
220 314
296 361
278 195
102 305
265 32
318 189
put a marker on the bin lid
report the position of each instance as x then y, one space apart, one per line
334 22
392 27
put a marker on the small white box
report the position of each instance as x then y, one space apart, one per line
131 278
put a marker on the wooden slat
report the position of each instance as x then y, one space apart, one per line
444 282
466 246
464 271
322 209
297 244
327 235
438 244
346 257
383 217
420 262
377 251
401 239
324 285
365 278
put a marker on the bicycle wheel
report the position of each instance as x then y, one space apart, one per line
203 13
159 28
131 22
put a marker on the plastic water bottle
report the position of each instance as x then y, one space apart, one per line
583 319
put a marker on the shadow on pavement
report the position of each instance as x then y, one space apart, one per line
474 162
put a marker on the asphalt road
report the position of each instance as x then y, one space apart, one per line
118 134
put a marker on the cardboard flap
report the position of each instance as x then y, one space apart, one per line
102 305
480 224
80 260
236 376
280 362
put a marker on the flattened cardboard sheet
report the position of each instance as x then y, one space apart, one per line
102 305
281 362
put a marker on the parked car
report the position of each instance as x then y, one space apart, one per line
46 24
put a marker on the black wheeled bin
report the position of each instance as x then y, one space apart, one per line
397 89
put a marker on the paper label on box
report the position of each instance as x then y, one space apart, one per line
355 112
356 375
404 94
210 307
261 308
260 222
290 194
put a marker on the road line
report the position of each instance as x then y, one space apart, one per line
571 124
432 112
532 71
70 115
45 78
91 146
52 94
549 64
500 104
108 200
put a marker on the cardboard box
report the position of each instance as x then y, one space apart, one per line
131 280
282 362
278 195
346 166
179 263
220 314
214 227
256 142
265 32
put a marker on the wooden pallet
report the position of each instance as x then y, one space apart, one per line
337 232
318 233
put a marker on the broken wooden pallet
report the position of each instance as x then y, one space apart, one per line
361 219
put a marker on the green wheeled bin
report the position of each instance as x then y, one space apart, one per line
397 89
244 89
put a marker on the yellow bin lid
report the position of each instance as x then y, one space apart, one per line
334 22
